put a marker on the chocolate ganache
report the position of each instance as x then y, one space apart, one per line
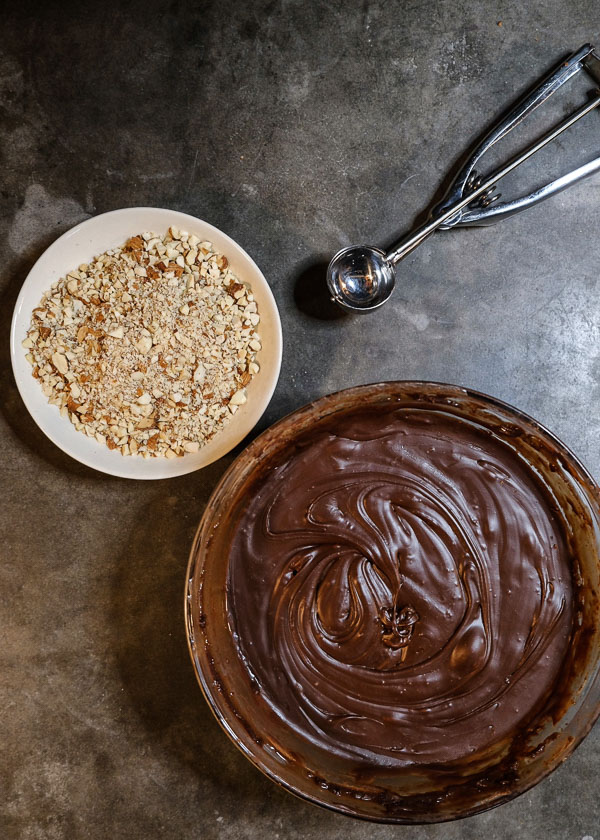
400 588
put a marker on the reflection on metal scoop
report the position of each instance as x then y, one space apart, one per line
362 278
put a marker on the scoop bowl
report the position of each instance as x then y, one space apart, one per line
360 278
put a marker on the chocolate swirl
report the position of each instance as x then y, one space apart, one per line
400 589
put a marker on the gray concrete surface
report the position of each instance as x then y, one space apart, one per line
297 127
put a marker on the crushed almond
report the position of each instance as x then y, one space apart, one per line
150 347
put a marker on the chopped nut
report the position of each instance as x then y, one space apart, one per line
60 362
239 398
145 423
136 243
183 338
200 373
144 345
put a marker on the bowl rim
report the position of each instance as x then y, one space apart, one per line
93 455
194 559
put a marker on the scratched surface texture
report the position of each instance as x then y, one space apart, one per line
296 127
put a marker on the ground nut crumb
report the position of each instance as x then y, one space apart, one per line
150 347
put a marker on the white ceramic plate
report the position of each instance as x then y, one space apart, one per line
79 245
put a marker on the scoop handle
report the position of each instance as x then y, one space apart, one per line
489 215
410 242
525 106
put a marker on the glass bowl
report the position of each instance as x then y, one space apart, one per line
416 794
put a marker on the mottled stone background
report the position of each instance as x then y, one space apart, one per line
296 127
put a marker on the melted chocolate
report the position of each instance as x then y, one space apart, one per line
400 589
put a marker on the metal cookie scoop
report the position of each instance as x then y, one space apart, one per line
362 278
